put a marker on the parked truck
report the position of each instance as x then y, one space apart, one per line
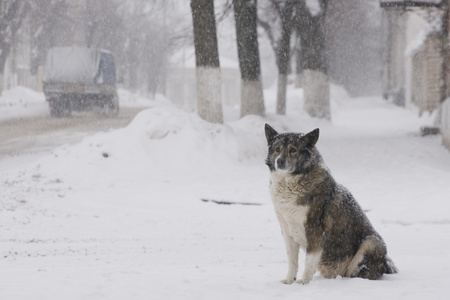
77 78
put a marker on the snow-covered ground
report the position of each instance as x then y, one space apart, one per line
120 216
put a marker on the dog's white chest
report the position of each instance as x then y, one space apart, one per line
285 193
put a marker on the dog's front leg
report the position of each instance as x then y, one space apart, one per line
292 249
311 263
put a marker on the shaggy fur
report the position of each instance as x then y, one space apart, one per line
319 215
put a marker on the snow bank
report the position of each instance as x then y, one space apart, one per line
132 99
170 138
21 102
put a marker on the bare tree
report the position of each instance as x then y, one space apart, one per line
209 94
354 47
298 57
12 13
252 99
48 25
133 30
285 20
104 24
314 60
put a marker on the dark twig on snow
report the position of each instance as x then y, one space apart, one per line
230 202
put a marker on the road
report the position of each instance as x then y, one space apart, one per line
26 139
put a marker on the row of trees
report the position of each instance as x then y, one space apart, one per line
140 33
283 18
11 15
143 34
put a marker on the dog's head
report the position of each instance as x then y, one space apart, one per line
292 152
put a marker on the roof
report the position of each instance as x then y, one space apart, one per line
417 3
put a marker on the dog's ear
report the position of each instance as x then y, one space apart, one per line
270 133
311 138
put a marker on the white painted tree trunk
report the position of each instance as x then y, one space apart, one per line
209 94
281 94
316 89
252 99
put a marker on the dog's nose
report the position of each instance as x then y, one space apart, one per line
281 163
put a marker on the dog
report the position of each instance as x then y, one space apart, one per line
319 215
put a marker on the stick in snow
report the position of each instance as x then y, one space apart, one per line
230 202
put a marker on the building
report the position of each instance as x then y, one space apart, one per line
413 56
416 60
426 70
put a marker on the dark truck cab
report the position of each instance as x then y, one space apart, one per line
77 78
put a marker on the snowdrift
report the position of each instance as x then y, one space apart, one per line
21 102
120 215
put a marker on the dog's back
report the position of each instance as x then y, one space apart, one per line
351 246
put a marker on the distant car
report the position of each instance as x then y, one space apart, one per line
77 78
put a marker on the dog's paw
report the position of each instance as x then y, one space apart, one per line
288 281
303 281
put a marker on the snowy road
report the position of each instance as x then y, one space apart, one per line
25 139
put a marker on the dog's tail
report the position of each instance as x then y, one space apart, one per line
389 266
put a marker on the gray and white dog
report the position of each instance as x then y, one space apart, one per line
319 215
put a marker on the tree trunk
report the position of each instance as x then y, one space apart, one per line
133 65
11 16
252 99
209 92
281 93
298 61
316 93
315 64
282 56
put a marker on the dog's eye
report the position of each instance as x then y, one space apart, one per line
277 149
292 150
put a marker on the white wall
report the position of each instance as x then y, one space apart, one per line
416 30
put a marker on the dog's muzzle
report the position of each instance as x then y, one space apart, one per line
281 163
